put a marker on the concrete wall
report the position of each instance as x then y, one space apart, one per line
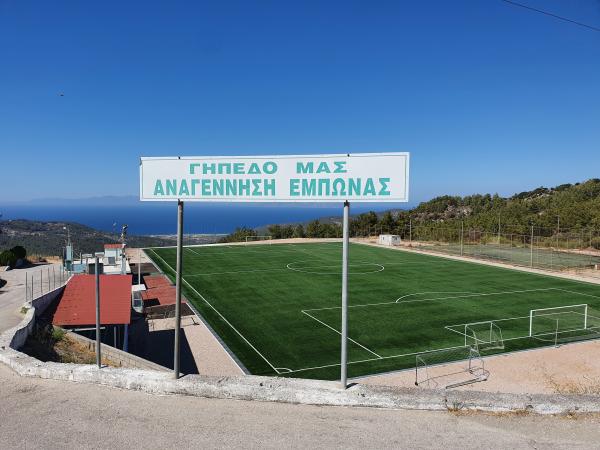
118 357
22 331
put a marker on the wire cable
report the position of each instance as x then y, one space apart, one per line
590 27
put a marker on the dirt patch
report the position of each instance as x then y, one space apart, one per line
568 369
47 343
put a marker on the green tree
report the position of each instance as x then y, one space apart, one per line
239 235
19 251
7 258
388 223
298 231
313 229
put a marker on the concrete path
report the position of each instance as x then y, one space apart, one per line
12 295
208 353
38 413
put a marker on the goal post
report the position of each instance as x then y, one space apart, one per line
267 239
450 367
543 321
486 335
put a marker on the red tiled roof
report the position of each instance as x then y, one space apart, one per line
156 281
77 305
113 245
163 295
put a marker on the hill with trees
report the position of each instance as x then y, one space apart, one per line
49 238
550 210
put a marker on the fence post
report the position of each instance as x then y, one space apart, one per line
531 256
26 287
410 232
462 229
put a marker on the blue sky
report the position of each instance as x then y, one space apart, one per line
487 97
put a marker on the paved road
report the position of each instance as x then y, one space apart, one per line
38 413
12 295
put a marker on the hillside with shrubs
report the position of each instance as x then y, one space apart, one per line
572 208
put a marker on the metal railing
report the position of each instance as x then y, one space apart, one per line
43 280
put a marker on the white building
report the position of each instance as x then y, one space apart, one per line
389 239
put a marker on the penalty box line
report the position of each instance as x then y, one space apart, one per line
395 302
278 370
350 339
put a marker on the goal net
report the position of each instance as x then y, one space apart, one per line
265 239
484 336
449 367
553 323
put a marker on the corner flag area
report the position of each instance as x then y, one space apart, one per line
277 307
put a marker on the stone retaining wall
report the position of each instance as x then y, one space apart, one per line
119 357
21 332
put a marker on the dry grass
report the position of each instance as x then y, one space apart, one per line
71 351
53 344
589 385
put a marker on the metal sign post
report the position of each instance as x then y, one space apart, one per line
325 178
179 268
345 245
97 276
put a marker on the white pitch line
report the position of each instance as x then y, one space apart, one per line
364 305
217 251
432 292
438 349
374 359
331 328
476 295
235 271
302 269
578 293
221 316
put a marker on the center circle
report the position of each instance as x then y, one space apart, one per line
360 268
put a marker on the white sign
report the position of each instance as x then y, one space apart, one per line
364 177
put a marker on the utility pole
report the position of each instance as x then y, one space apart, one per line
531 255
461 237
498 228
139 266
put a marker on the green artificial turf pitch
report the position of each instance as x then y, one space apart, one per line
277 307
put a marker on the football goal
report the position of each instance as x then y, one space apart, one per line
266 239
450 367
549 323
484 336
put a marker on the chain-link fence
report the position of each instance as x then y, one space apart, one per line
574 251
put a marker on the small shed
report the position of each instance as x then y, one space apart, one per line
389 239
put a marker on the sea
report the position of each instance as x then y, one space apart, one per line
161 218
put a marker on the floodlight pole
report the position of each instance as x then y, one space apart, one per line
97 276
345 245
178 288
